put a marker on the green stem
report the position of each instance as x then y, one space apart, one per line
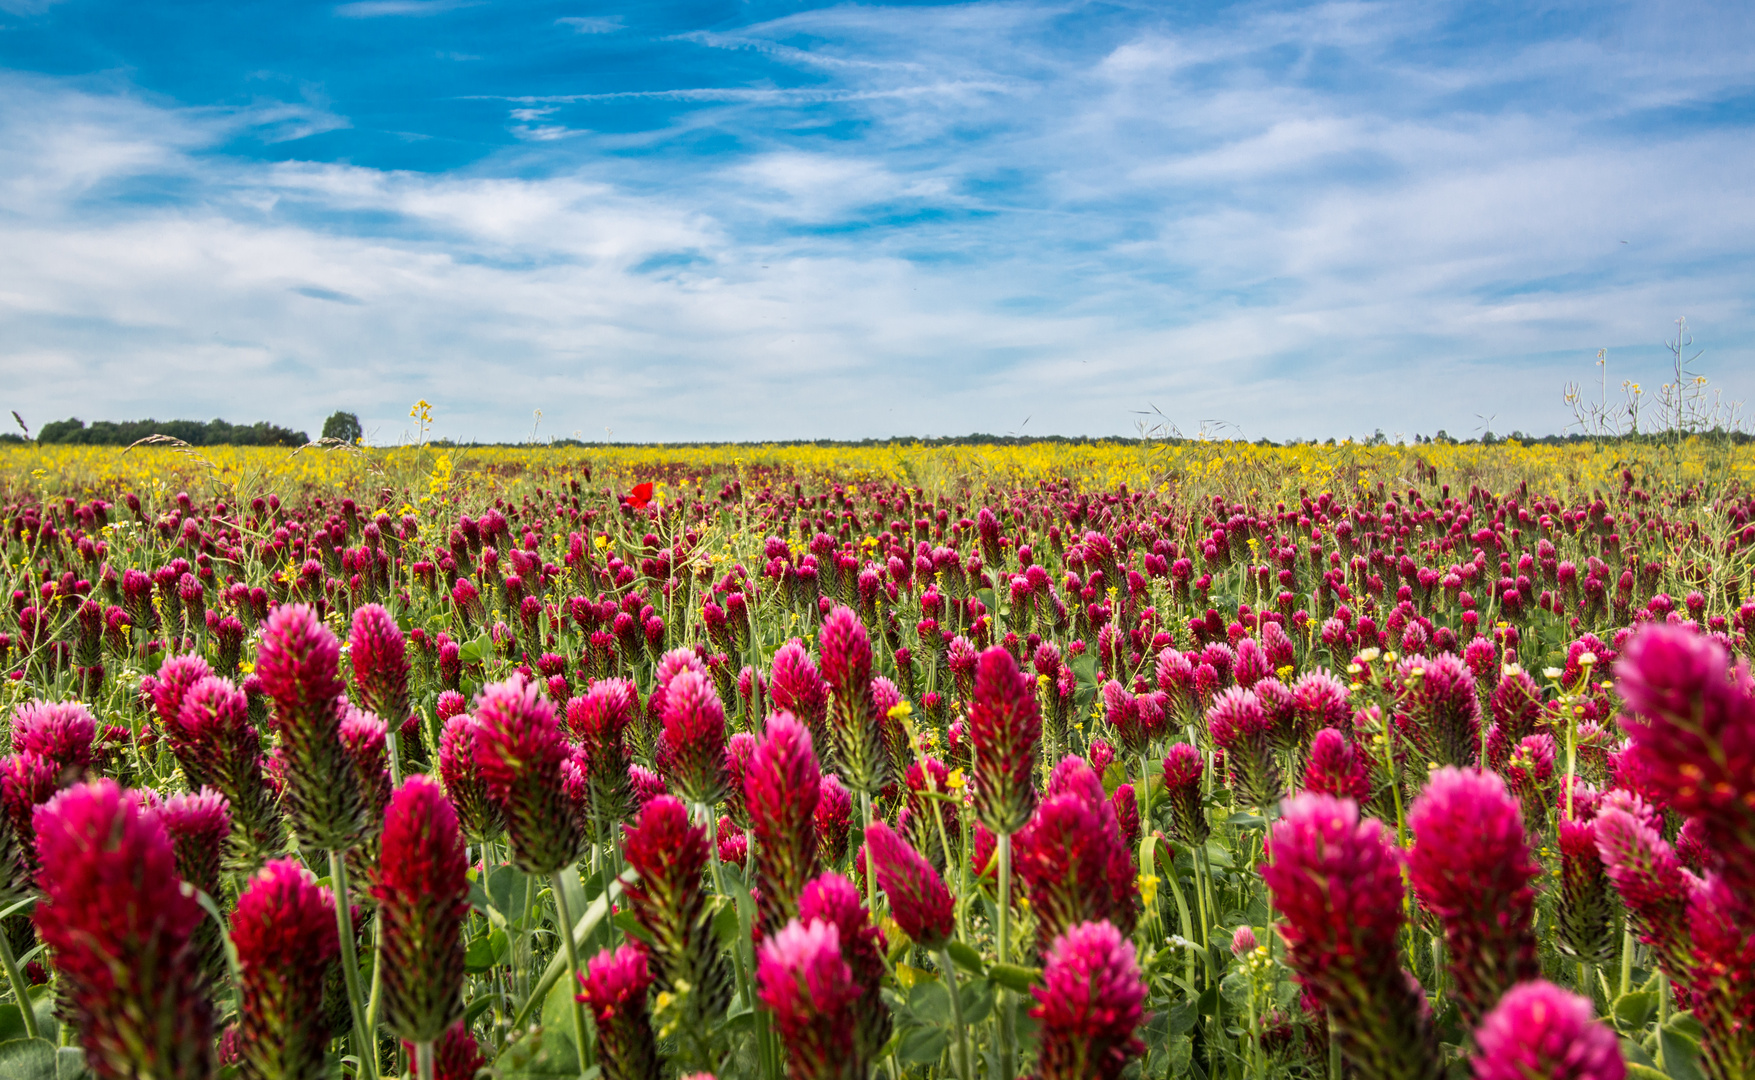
26 1008
423 1061
870 871
963 1071
364 1048
744 993
1626 958
1007 1037
1334 1049
565 916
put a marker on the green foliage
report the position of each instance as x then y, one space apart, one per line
344 426
127 432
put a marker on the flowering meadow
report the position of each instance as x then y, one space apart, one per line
1197 760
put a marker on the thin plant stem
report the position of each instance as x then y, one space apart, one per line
365 1049
26 1009
565 915
870 875
963 1071
1007 1037
423 1061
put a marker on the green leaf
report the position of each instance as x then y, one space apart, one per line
930 1002
28 1059
1643 1072
966 958
12 1021
1681 1052
724 921
1014 977
977 997
922 1045
1246 820
510 890
70 1064
486 951
1634 1009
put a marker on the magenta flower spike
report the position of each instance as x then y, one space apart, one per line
62 732
919 901
599 719
366 739
1540 1030
1652 883
781 791
1336 880
1242 729
519 751
856 730
613 987
670 903
1183 767
1437 696
833 899
1090 1002
694 739
1694 727
799 689
299 663
175 676
198 824
27 781
803 980
478 814
422 889
1471 867
1072 859
379 655
1587 907
833 818
456 1056
1005 728
285 937
1336 767
119 926
215 742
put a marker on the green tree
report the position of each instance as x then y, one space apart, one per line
344 426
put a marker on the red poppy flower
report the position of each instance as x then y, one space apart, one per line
640 496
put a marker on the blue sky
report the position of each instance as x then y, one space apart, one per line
674 221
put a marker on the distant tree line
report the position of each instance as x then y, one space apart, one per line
193 432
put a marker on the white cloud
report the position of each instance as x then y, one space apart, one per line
605 24
1279 220
372 9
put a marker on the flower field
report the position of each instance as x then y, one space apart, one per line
1192 759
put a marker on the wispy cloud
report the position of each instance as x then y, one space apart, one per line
372 9
1302 219
594 24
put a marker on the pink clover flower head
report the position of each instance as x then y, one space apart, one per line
694 738
1336 880
299 663
422 889
797 688
1336 767
478 814
669 854
1437 696
919 901
118 923
285 937
379 655
1090 1003
1072 859
61 731
1538 1029
833 818
1694 729
1472 867
856 728
1242 729
802 978
519 752
613 986
1005 727
782 790
1183 767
